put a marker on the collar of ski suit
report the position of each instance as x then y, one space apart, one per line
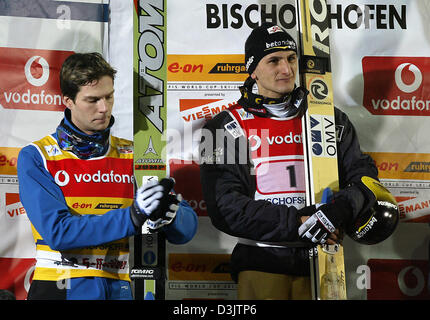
84 146
291 104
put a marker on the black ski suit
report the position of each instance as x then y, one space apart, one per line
229 188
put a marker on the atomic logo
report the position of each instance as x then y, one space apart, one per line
32 66
150 148
416 83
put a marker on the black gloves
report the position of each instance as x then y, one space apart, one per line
155 205
323 220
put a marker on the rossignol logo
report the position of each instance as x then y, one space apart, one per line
30 79
395 85
62 177
318 90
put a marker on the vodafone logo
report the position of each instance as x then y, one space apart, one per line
418 78
395 279
396 85
254 142
411 281
40 81
62 178
30 79
290 138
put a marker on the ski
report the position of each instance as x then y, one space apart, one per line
149 125
319 143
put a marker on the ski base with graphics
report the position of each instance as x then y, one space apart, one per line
149 124
320 149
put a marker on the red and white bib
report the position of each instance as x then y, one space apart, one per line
277 155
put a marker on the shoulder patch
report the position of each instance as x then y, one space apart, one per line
53 150
244 115
234 129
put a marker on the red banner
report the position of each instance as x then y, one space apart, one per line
397 85
398 279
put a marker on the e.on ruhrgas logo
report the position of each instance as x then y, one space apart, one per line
29 79
397 85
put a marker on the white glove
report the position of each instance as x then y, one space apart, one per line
146 201
148 197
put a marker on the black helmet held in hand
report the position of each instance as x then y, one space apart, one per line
379 222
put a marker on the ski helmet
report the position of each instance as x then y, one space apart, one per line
379 222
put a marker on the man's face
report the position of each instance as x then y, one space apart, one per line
92 109
275 74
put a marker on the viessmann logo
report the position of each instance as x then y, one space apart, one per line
396 85
30 79
199 109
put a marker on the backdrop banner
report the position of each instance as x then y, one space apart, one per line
191 55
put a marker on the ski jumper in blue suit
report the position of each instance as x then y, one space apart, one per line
80 215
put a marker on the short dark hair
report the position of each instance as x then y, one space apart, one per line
80 69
